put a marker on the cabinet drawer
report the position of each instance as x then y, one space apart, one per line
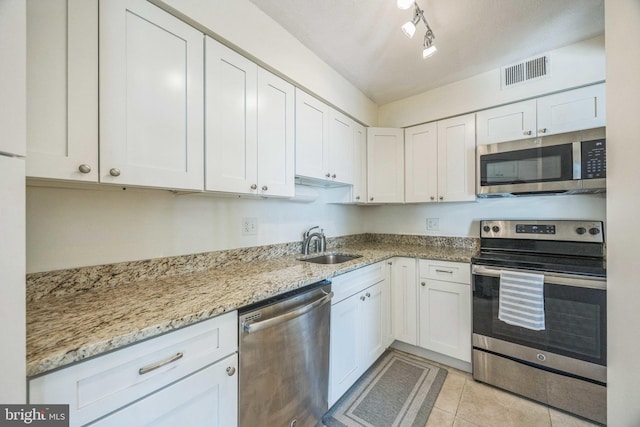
347 284
101 385
459 272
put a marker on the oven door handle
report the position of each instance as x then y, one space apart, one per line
549 277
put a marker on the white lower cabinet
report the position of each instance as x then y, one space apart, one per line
186 377
444 314
404 300
358 333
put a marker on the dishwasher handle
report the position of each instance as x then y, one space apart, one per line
299 311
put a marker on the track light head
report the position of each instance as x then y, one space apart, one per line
409 27
429 47
404 4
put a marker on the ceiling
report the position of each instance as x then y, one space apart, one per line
362 40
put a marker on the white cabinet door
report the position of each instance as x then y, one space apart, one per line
421 163
62 89
276 129
359 190
312 136
231 120
404 300
578 109
457 159
385 165
340 147
507 123
372 324
208 398
444 316
345 350
151 97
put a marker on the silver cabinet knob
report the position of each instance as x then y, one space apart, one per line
390 263
114 172
333 176
441 197
527 132
432 198
362 298
371 199
231 370
254 186
368 295
265 188
543 130
328 175
423 284
84 168
357 197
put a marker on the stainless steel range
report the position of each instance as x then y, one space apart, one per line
539 312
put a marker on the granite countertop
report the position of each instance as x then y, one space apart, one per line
66 328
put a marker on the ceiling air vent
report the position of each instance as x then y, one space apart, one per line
526 71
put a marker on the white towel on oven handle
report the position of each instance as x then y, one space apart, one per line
521 300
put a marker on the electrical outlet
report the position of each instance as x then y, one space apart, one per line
249 226
433 224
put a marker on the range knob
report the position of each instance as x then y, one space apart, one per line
594 231
486 228
581 230
495 228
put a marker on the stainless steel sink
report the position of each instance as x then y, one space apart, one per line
331 258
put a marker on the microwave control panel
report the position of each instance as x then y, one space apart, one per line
594 159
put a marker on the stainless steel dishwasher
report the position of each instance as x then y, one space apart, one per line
284 359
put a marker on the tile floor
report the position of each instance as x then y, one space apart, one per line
464 402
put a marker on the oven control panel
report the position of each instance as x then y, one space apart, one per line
565 230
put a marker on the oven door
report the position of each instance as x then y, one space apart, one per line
575 319
528 166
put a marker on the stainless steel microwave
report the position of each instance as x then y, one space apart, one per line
573 162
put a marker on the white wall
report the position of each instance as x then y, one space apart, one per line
622 24
241 23
462 219
572 66
71 227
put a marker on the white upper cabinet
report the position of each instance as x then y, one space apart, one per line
456 159
312 136
340 147
440 161
276 132
577 109
569 111
385 165
359 178
507 123
151 97
421 163
62 89
231 120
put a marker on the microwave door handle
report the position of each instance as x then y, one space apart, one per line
577 160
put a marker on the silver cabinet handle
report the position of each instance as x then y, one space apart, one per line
254 186
265 188
231 370
84 168
299 311
328 175
543 130
114 172
444 271
527 132
333 176
362 298
423 284
390 263
368 295
371 199
432 198
441 197
357 197
160 364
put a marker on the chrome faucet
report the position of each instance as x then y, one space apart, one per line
318 236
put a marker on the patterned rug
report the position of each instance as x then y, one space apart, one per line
399 390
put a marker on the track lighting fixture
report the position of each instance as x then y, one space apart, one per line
409 28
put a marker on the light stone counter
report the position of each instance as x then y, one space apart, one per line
80 313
